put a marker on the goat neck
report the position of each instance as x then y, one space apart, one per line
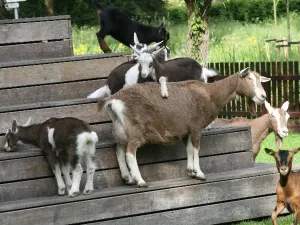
158 69
30 134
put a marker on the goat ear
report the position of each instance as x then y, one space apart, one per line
27 123
294 151
151 48
264 79
252 107
269 108
270 151
244 72
162 26
135 38
285 106
157 51
14 126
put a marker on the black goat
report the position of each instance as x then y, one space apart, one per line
117 24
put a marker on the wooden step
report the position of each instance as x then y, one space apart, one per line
223 197
24 173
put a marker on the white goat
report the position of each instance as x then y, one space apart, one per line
65 142
141 116
276 120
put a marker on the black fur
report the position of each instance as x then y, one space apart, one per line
283 157
117 24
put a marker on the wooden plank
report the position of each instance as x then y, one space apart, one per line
36 19
112 178
223 213
40 115
260 169
34 31
31 51
136 204
49 92
25 168
58 72
297 84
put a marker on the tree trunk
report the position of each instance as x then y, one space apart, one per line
198 36
49 7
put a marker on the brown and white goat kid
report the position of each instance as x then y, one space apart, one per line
65 143
275 120
141 116
287 190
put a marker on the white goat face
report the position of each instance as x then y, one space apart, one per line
254 81
146 64
279 118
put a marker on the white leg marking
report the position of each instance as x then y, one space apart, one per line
198 173
90 170
66 172
163 87
50 137
101 92
122 164
190 156
60 183
77 172
134 169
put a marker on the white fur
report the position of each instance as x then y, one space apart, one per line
90 170
77 173
190 157
285 106
198 173
50 137
163 87
206 72
144 60
132 75
258 91
65 169
27 123
86 142
134 170
117 106
101 92
122 164
60 183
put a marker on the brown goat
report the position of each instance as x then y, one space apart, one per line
140 116
287 190
275 120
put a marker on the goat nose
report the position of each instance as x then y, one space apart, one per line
264 96
285 131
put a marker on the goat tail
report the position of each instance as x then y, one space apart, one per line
96 4
209 72
86 143
100 93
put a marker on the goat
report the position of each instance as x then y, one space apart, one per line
275 120
161 57
287 189
179 69
117 24
65 143
125 75
140 116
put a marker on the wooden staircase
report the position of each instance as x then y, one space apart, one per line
235 188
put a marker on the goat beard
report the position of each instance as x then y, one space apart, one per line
252 107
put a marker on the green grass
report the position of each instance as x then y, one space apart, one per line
230 41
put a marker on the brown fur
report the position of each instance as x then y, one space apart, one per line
191 106
287 189
261 127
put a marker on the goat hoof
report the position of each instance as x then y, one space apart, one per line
128 180
142 185
61 191
73 194
88 191
200 176
191 173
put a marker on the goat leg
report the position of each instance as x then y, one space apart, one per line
121 157
278 209
90 171
77 173
103 46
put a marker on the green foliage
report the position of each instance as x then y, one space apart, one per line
251 11
83 12
177 15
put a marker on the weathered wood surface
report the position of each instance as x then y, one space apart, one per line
77 69
49 92
35 31
112 178
190 194
42 50
35 19
212 143
220 213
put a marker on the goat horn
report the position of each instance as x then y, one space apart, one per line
158 51
152 47
135 38
27 123
135 50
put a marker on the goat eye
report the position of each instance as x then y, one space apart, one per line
150 65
